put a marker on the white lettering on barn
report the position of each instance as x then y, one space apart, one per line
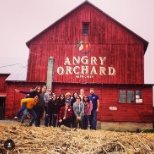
84 67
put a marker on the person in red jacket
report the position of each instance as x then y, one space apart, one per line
65 115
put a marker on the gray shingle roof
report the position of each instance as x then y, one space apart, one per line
15 67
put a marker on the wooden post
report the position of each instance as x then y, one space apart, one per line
50 70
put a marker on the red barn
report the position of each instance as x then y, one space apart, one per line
87 48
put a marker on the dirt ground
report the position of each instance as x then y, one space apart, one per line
63 140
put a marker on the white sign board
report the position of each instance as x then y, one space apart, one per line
112 108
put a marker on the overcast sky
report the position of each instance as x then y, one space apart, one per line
21 20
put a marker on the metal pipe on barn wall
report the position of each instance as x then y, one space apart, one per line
50 72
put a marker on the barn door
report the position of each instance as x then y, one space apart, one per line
2 107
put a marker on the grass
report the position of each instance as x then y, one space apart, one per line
148 131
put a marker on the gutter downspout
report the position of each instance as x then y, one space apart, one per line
50 71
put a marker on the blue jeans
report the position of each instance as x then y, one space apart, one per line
47 120
32 112
54 120
24 115
86 119
34 116
93 119
21 109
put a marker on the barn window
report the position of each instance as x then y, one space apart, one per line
138 96
122 98
130 96
85 28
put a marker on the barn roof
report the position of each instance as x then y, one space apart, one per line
15 68
87 2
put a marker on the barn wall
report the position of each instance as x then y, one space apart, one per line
123 51
129 112
2 83
109 97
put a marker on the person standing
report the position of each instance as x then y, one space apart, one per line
95 101
61 100
39 107
88 106
73 100
53 110
78 108
81 94
68 97
47 97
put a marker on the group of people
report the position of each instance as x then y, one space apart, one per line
77 110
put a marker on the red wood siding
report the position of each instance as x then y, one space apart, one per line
109 97
127 112
2 83
123 50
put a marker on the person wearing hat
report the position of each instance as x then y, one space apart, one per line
65 115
